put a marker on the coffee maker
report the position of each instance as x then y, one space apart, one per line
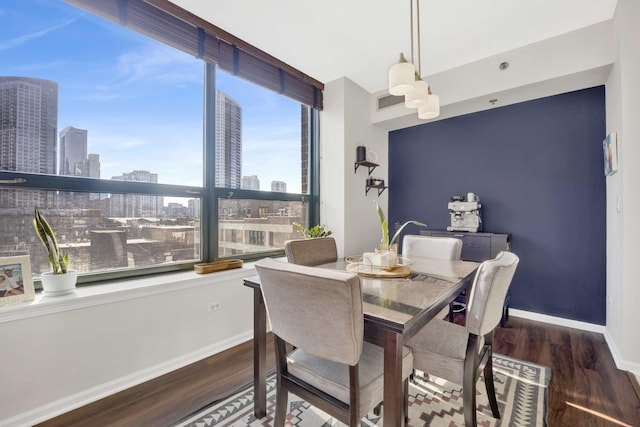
465 213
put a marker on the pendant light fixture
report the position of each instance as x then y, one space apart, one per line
401 77
432 109
405 79
419 95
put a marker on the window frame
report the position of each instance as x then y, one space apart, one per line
208 193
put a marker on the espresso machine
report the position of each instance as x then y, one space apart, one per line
465 213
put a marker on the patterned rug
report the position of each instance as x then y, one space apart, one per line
521 389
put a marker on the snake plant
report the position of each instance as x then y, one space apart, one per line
57 259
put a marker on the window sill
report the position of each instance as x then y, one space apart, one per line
119 290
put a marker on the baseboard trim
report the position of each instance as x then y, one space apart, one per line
69 403
634 382
621 363
568 323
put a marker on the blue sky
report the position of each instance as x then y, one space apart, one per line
141 101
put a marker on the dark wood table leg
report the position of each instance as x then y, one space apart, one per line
259 355
393 402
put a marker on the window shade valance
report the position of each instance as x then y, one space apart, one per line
172 25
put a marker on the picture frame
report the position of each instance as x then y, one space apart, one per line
16 281
610 152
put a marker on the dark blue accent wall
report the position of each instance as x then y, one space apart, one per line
537 168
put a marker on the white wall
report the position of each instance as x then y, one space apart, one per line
72 350
344 124
332 188
623 190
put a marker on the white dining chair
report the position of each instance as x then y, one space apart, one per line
445 248
459 353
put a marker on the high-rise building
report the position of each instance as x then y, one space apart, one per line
136 205
193 208
28 132
280 186
74 159
73 151
250 182
228 141
92 167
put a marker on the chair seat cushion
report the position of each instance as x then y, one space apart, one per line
439 349
333 378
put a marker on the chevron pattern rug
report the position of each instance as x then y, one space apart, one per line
521 389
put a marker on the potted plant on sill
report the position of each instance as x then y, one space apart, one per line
61 280
313 232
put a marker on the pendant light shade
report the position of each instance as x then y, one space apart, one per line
418 96
405 78
401 77
431 110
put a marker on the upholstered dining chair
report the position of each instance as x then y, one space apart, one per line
311 252
330 366
445 248
458 353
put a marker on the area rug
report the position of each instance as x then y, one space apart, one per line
521 389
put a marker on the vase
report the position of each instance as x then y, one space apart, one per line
54 285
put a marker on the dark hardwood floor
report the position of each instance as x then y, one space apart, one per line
585 390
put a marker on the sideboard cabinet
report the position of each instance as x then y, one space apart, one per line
476 247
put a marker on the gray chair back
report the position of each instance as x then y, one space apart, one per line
317 310
489 291
311 252
445 248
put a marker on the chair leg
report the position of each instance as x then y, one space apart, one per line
282 397
406 401
377 409
469 404
491 390
469 382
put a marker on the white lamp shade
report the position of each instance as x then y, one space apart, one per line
418 96
431 110
401 77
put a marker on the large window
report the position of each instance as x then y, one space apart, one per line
141 156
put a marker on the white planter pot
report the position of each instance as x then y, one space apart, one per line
54 285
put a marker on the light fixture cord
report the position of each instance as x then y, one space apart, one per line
411 28
418 33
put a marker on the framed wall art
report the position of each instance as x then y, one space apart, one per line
610 151
16 282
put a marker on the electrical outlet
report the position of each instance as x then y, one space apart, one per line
215 305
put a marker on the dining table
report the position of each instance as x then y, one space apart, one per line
394 308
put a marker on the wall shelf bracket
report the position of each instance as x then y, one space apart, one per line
369 165
380 188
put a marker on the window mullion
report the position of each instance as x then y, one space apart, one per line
209 217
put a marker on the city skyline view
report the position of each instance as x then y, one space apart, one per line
108 74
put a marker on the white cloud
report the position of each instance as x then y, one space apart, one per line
18 41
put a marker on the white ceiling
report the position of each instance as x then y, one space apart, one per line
361 39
